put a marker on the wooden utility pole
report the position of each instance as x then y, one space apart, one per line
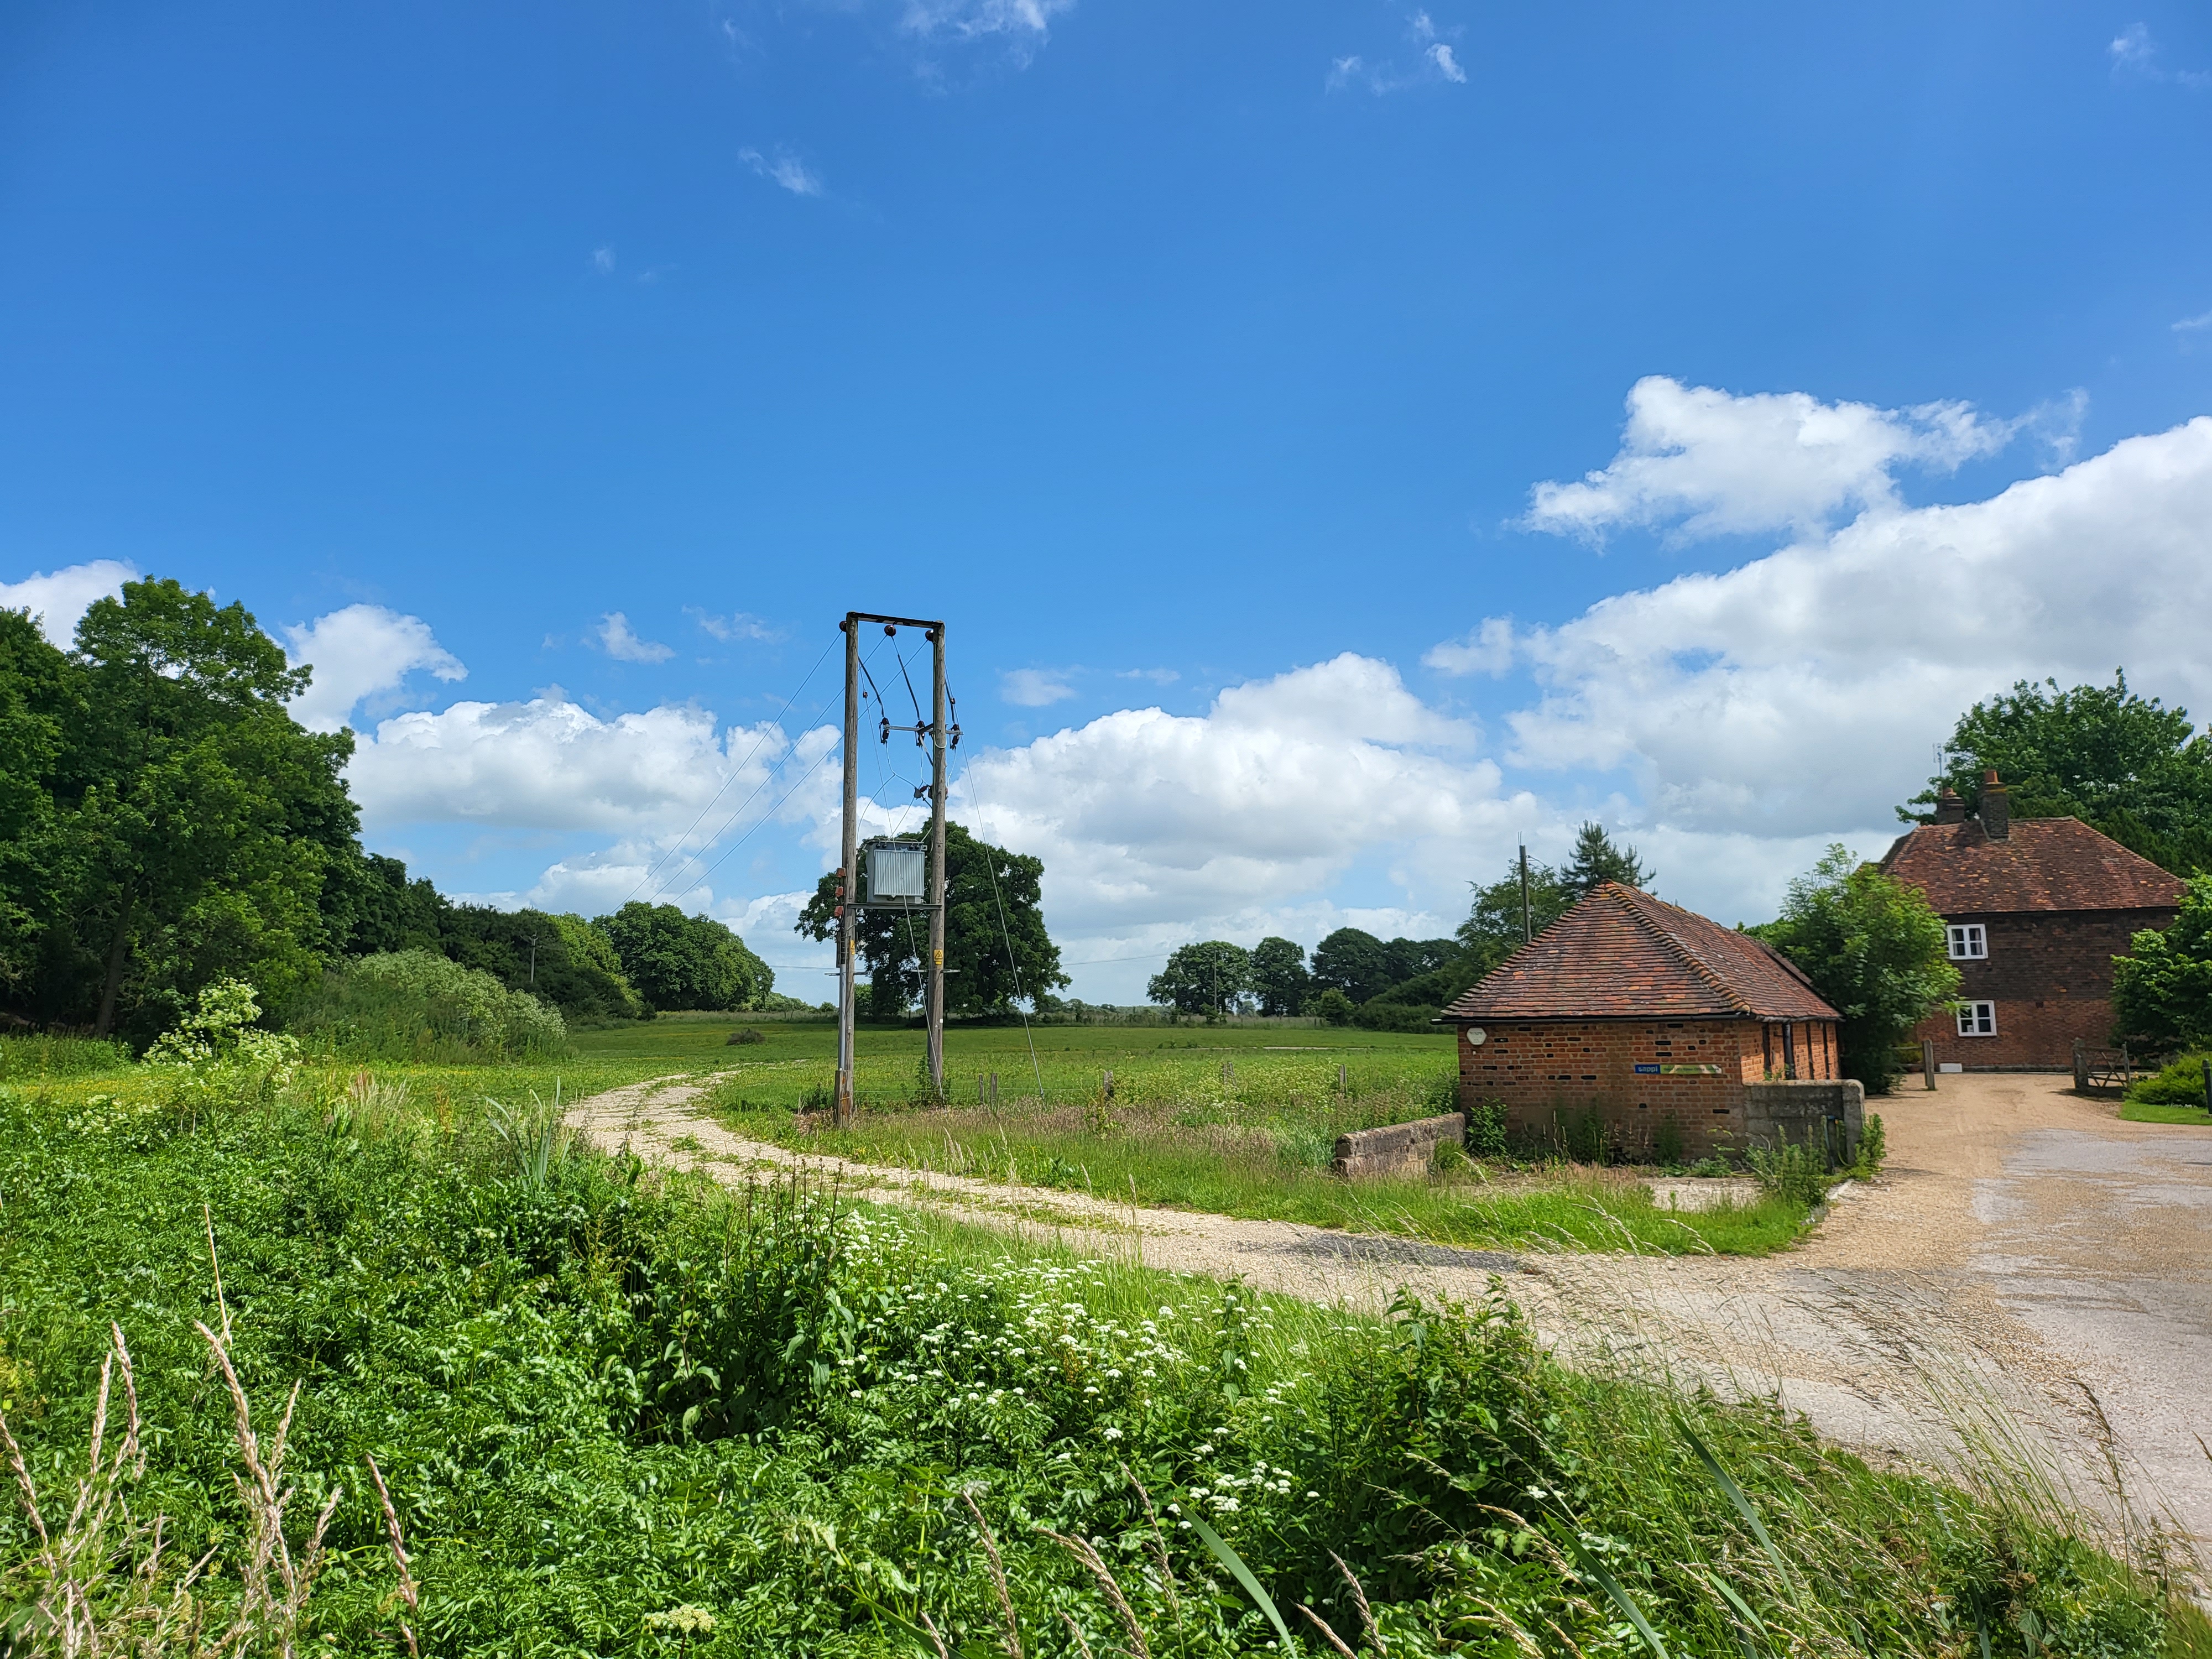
848 873
1527 926
850 904
933 1007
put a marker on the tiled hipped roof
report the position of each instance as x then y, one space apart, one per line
1621 954
2041 864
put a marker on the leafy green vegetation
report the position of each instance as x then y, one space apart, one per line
997 952
2127 765
411 1005
2173 1094
2162 989
618 1415
1875 951
25 1059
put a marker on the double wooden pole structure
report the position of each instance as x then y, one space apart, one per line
849 901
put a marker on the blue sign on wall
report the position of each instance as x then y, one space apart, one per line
1647 1071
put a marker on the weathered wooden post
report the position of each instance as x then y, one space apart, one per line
1927 1061
2081 1066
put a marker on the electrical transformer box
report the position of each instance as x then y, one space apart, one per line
897 874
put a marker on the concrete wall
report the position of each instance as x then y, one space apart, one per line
2050 974
1398 1149
1796 1115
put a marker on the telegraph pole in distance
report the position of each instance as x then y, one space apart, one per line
1528 928
934 1005
848 873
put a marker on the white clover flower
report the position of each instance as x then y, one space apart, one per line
1113 1434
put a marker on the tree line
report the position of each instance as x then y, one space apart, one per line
164 823
1400 984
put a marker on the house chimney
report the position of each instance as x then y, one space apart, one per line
1996 807
1950 807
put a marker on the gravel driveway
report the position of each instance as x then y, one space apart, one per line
2027 1267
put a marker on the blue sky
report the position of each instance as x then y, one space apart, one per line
1207 359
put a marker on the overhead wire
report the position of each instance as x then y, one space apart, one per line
833 749
991 864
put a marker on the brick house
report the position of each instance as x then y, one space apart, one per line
2034 911
1646 1014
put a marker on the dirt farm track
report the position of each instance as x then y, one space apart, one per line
2026 1260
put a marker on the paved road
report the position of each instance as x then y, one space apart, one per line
2027 1265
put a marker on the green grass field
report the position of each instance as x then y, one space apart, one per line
1237 1121
1234 1120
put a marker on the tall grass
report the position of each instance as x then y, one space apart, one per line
1264 1153
616 1414
43 1059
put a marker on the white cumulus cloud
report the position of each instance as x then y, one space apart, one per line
358 652
620 641
1145 818
1714 462
1802 692
59 601
550 764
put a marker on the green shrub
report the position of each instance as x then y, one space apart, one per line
1485 1129
416 1005
28 1059
2180 1083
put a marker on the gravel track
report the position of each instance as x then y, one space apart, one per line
2026 1268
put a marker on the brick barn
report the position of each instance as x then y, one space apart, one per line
2034 910
1646 1014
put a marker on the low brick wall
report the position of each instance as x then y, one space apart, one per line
1402 1149
1794 1114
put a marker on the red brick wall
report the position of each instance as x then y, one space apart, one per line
1543 1070
2050 974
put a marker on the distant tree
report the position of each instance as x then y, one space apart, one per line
1491 931
1203 979
1875 951
1353 961
2162 989
1333 1006
565 961
1597 859
2134 769
674 960
1279 981
995 904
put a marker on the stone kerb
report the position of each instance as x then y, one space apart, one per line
1796 1113
1400 1149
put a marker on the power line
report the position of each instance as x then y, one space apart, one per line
992 864
749 799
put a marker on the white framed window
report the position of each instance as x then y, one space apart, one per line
1969 941
1977 1019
